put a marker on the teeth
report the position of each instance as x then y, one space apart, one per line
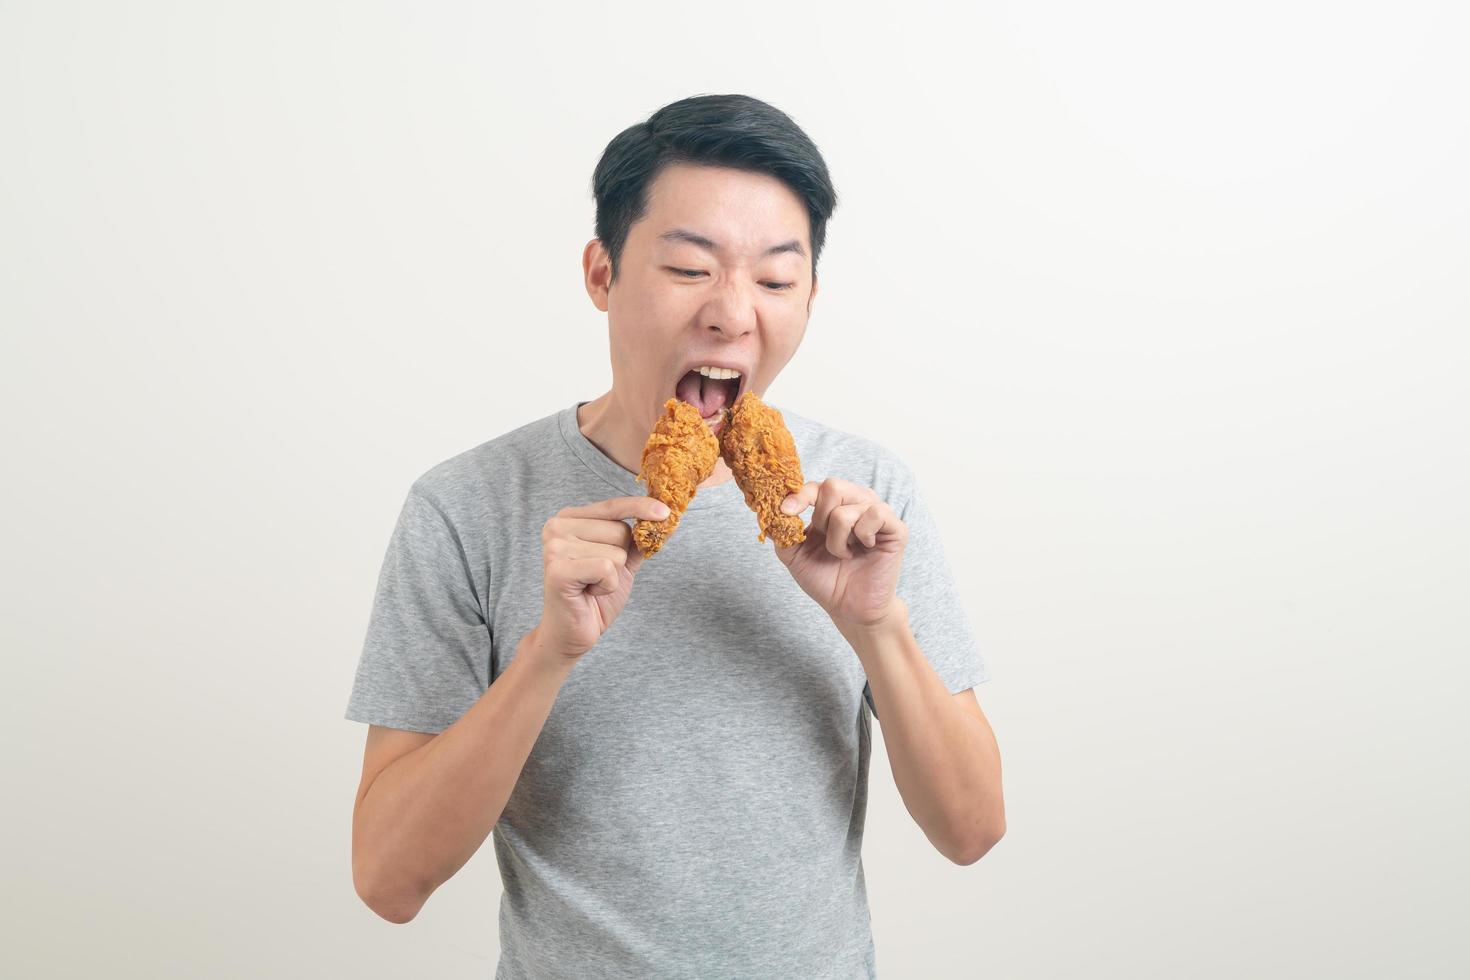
718 373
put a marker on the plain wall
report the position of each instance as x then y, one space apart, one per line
1166 305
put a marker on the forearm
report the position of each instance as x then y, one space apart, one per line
945 760
428 812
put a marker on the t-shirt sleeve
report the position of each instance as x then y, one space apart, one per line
426 658
936 615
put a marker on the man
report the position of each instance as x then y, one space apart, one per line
671 753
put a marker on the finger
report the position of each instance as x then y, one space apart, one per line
867 527
573 576
833 493
589 529
799 501
620 509
635 557
840 525
561 548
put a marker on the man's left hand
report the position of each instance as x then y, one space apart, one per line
850 559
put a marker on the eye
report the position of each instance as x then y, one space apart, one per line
695 273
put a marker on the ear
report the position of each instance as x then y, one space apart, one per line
813 295
597 272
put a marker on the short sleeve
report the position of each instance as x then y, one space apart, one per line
426 658
936 614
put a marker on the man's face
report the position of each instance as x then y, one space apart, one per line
717 274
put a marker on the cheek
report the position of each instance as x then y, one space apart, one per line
782 343
791 331
641 315
671 308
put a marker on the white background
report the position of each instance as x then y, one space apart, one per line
1165 303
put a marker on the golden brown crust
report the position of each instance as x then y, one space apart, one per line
759 450
680 455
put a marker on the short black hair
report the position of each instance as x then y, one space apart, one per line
715 130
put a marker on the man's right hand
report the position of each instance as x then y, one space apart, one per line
589 559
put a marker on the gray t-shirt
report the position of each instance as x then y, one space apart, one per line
694 805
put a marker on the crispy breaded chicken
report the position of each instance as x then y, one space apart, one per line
759 450
680 455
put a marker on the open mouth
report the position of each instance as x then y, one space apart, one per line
710 394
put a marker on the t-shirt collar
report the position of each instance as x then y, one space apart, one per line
626 484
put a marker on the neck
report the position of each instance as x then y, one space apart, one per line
622 438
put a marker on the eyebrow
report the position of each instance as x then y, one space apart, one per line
684 235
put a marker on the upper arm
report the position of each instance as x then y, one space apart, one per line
966 699
386 746
427 653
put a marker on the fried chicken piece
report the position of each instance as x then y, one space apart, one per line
759 450
680 455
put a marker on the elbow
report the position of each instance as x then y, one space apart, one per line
396 912
391 905
978 847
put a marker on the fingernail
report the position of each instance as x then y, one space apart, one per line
790 505
662 510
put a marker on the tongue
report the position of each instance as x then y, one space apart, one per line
705 394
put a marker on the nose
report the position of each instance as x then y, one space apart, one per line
731 314
730 331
